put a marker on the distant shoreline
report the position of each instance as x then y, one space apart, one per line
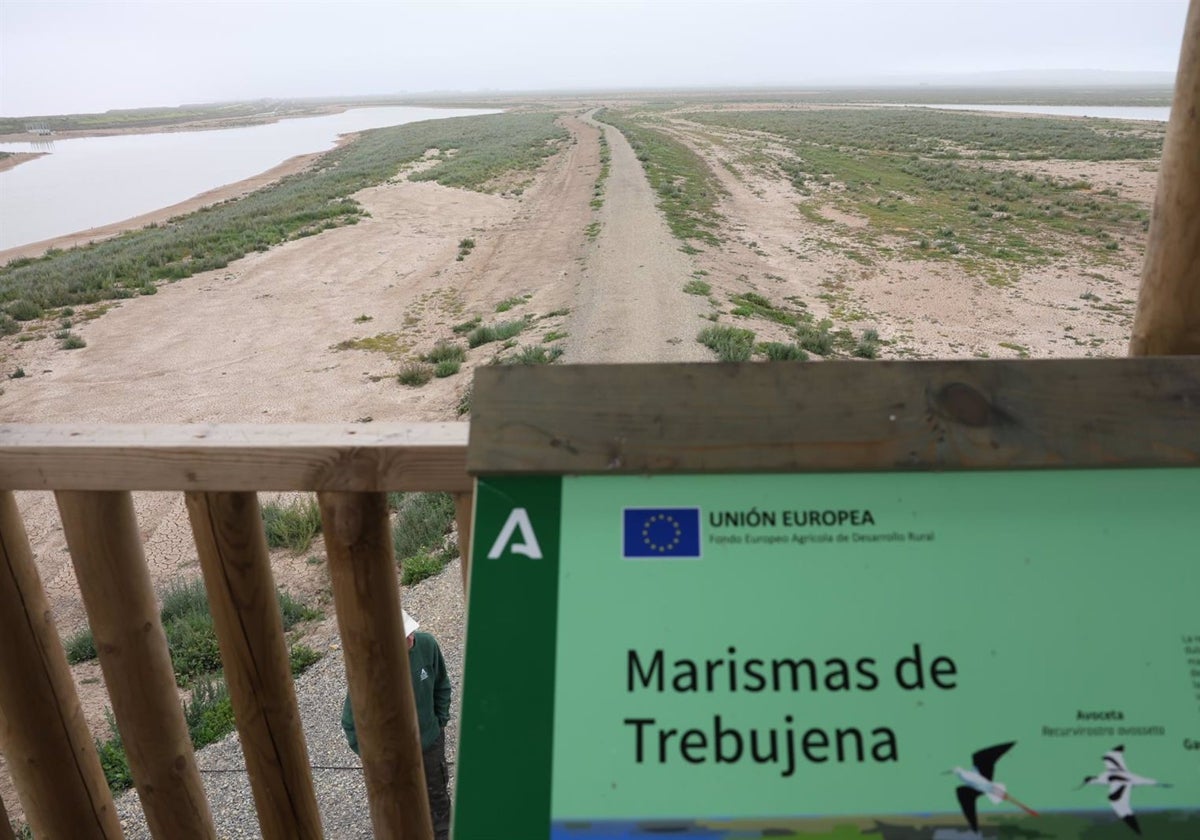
17 158
226 192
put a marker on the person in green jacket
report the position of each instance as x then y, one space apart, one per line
431 689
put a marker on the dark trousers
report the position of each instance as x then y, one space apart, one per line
436 783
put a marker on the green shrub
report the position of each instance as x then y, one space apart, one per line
697 287
113 759
422 522
445 351
535 354
19 373
553 335
80 647
419 567
464 403
731 344
302 657
184 598
816 338
293 525
868 345
446 368
414 374
23 310
495 332
8 324
193 645
779 352
73 342
209 713
292 612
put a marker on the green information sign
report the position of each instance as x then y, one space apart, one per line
877 655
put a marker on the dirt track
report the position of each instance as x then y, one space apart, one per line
630 301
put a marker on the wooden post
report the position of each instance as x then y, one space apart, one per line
114 580
49 750
241 593
6 830
367 596
1168 311
463 508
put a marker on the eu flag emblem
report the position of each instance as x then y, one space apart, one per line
662 532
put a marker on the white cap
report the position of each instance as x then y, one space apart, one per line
410 624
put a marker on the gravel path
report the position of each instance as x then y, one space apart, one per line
437 603
631 304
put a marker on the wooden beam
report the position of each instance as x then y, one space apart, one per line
241 594
797 416
366 594
1167 321
463 511
114 580
352 457
49 750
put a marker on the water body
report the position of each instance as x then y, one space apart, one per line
91 181
1112 112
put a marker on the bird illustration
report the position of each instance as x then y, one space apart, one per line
978 780
1120 785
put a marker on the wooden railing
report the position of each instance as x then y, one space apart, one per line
92 471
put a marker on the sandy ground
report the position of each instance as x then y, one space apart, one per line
924 308
259 340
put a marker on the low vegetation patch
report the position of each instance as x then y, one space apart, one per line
495 332
415 374
510 302
939 181
731 344
697 287
423 521
465 246
816 338
534 354
777 351
388 343
292 525
868 345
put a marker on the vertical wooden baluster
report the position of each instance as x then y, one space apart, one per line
367 596
241 592
50 753
1167 322
6 830
114 580
463 508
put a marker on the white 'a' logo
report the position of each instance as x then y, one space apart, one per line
517 520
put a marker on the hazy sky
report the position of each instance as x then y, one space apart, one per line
92 55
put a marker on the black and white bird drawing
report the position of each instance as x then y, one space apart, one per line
1120 785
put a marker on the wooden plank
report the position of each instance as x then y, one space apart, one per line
114 580
241 593
463 511
1167 321
366 593
796 416
50 753
352 457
